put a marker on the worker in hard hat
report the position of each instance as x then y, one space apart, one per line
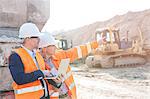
53 58
27 66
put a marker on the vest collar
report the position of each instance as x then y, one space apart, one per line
55 58
31 53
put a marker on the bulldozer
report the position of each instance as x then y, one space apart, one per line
112 52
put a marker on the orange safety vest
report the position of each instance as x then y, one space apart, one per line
55 94
73 53
68 78
33 90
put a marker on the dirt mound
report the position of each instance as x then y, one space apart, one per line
129 22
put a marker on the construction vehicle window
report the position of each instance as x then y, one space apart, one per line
63 45
98 37
108 37
59 44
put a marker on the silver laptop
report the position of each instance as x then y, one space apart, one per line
62 70
63 66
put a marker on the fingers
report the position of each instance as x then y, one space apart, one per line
61 76
46 72
57 81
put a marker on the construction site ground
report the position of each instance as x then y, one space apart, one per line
113 83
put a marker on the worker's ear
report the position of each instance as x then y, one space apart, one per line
44 50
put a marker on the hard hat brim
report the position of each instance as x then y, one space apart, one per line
36 35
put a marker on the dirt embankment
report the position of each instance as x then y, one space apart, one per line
129 22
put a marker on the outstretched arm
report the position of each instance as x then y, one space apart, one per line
81 51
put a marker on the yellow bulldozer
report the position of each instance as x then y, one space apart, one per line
112 52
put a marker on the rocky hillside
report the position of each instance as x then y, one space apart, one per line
14 13
127 22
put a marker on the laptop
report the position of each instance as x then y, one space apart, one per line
62 70
63 66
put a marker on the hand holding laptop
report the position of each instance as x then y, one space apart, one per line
61 72
57 76
46 72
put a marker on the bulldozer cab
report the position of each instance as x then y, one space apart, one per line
105 36
108 39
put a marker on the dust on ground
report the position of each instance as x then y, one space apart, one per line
114 83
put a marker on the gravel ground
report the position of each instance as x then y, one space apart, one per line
115 83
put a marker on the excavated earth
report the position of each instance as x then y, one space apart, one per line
113 83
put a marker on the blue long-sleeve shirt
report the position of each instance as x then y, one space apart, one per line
17 71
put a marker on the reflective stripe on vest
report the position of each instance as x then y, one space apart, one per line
28 89
55 94
32 89
79 51
71 86
44 82
89 48
67 75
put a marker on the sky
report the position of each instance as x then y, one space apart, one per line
70 14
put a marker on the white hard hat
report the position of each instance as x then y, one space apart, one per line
46 40
28 30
